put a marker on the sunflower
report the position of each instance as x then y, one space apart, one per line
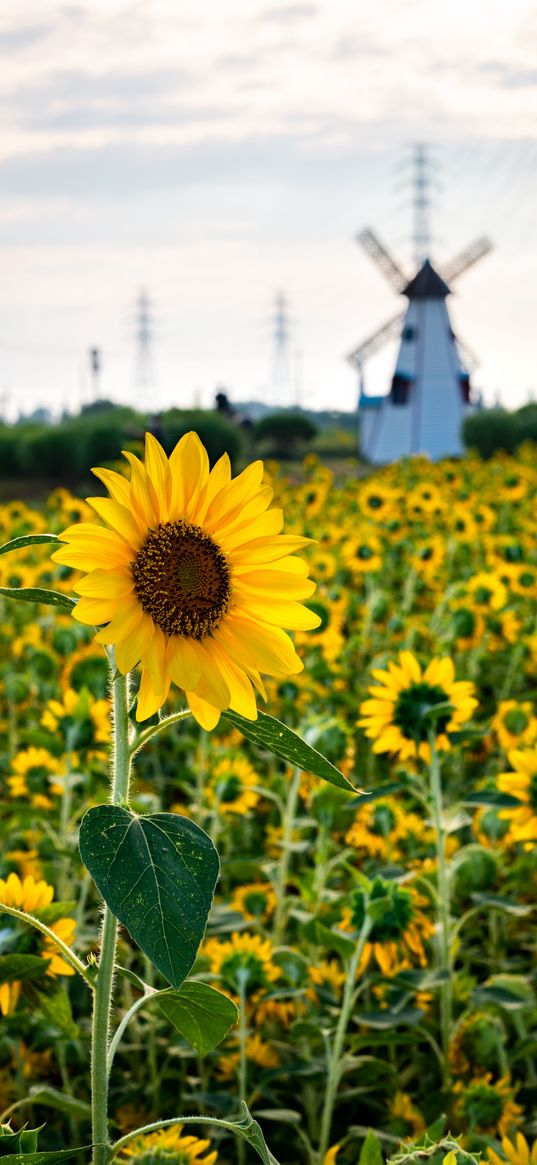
514 724
330 1157
377 500
32 897
81 721
243 962
257 1051
475 1044
192 578
363 553
328 973
377 828
515 1152
396 940
488 591
231 787
406 1119
256 901
398 716
168 1147
487 1105
521 783
32 777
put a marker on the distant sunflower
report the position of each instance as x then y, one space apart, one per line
192 578
168 1147
515 1151
398 715
33 897
522 784
32 777
242 962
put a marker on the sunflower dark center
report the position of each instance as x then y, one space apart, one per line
413 708
182 579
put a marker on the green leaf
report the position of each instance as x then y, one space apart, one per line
52 1000
28 540
492 797
55 1157
371 1152
502 996
15 967
54 911
323 936
381 791
383 1020
157 874
200 1013
53 1098
276 738
519 909
38 595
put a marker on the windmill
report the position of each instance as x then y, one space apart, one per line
430 391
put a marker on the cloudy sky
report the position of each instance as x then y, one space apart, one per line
215 153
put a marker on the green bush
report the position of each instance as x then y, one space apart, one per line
217 433
286 432
489 431
494 429
10 463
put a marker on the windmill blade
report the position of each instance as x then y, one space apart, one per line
376 341
466 258
467 356
381 256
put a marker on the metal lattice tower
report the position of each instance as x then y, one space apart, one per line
421 201
145 376
282 376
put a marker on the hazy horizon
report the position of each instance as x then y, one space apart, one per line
216 158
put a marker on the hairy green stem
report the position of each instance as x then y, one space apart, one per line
444 913
280 916
334 1067
105 979
142 737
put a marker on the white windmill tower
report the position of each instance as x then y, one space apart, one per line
430 392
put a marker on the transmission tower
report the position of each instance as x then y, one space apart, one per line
422 204
282 377
145 375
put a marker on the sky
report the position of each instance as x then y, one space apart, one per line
215 154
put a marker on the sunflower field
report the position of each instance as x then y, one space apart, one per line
361 987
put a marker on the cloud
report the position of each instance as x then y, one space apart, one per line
290 13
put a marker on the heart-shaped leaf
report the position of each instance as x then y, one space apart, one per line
200 1013
157 874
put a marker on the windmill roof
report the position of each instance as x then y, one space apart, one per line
427 284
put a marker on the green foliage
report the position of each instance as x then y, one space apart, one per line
200 1013
371 1152
157 874
38 595
217 433
286 432
68 450
497 429
275 737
